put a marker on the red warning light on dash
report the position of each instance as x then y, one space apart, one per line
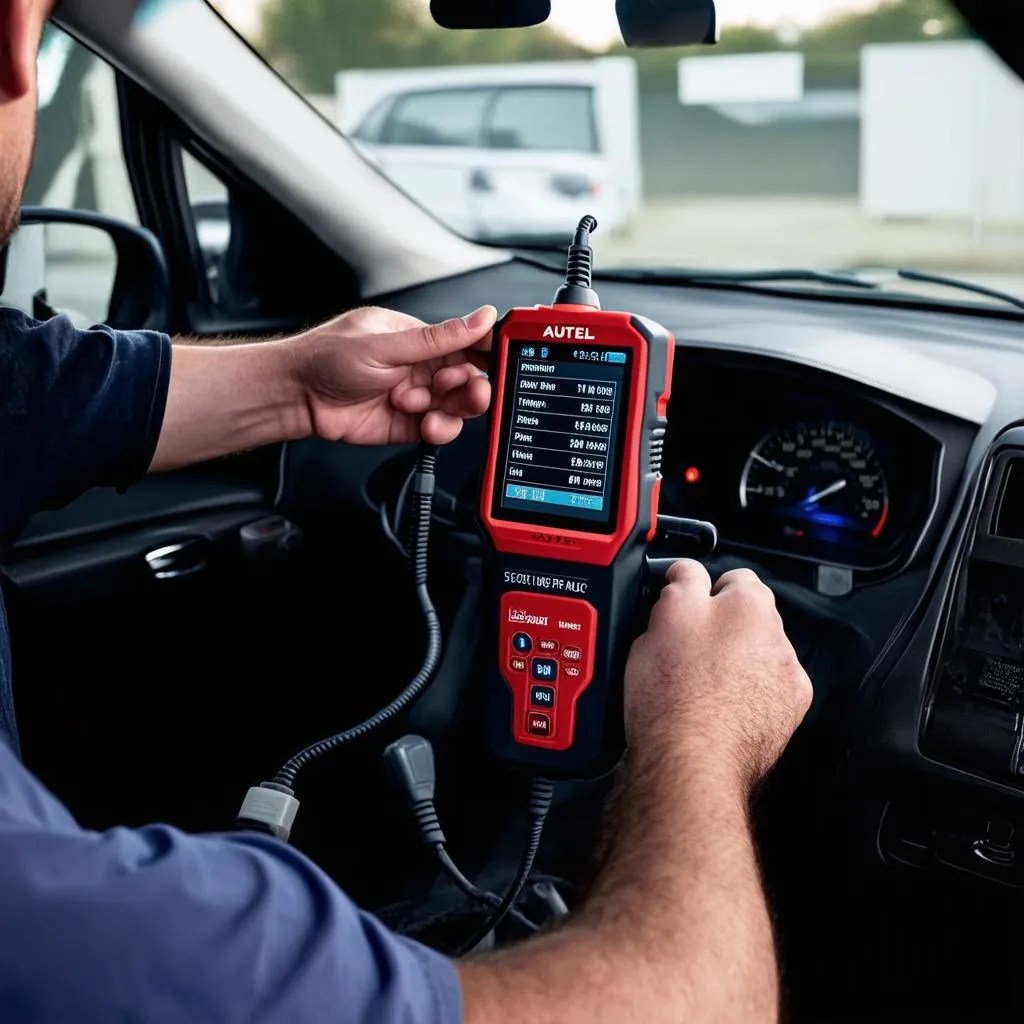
692 475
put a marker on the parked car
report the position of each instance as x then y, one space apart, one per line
507 152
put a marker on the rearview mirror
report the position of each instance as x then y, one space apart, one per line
643 22
493 14
88 267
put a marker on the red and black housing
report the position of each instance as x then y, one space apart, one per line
566 548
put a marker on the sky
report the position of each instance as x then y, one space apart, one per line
593 22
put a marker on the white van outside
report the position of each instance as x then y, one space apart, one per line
504 152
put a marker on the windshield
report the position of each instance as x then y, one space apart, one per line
822 134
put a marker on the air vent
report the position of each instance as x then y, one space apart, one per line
1009 517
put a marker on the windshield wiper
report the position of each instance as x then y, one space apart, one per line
965 286
835 278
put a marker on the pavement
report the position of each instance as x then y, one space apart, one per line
766 231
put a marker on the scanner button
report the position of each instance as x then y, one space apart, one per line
517 664
537 724
549 646
545 668
542 696
522 642
572 654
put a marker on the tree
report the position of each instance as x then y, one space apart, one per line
832 48
311 40
893 21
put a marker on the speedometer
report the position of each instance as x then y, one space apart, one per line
821 480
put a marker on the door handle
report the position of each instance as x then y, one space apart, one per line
182 558
481 181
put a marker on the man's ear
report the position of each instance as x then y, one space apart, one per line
19 43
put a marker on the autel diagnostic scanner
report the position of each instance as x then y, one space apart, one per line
569 504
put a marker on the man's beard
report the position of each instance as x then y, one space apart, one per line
14 166
8 222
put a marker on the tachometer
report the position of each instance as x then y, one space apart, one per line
820 479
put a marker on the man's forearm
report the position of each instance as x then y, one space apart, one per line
675 929
224 399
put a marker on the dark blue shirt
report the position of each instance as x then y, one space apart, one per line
151 924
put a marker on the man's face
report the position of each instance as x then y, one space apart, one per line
21 23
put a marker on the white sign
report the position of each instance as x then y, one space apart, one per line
741 78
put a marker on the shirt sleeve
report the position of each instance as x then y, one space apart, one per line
78 409
156 925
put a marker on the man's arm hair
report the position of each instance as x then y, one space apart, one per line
676 927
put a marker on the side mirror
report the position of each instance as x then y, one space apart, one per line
91 268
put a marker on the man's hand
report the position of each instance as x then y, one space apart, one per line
371 376
374 376
675 925
714 681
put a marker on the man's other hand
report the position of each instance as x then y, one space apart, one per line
714 685
374 376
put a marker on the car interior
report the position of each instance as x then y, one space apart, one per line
175 641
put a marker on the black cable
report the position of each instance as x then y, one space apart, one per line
388 530
580 264
422 503
392 529
403 495
464 885
541 793
409 762
579 272
282 475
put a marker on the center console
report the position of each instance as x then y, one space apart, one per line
944 741
974 717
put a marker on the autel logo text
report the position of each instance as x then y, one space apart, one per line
570 333
556 538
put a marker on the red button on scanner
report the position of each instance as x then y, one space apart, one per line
538 725
548 645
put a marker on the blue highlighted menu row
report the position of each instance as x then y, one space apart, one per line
546 496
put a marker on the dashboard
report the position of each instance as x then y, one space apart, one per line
829 442
841 449
793 465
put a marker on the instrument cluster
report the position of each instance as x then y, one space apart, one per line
798 465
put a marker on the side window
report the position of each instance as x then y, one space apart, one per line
371 128
77 164
209 202
543 118
256 264
453 117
